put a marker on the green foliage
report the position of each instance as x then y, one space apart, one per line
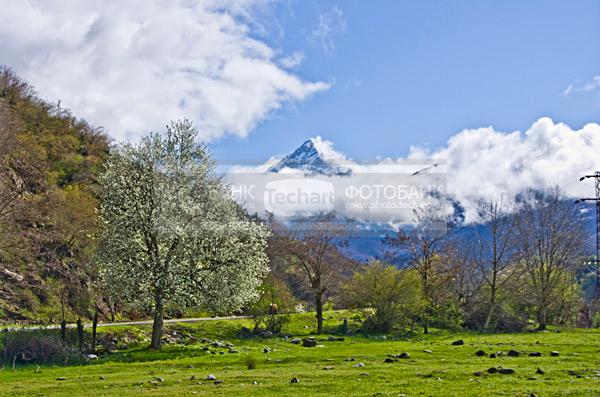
49 163
37 347
389 297
251 362
271 310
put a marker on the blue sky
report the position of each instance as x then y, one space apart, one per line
449 80
415 73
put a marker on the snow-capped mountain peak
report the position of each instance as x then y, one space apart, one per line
316 155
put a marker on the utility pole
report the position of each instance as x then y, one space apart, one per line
596 261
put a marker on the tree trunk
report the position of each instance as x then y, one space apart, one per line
426 324
157 325
541 317
492 303
5 353
94 326
319 307
111 307
63 330
80 335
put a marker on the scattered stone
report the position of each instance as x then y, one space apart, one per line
332 338
540 371
158 379
427 351
328 368
350 359
266 334
480 353
190 366
389 360
211 377
533 395
245 331
506 371
266 350
255 383
513 353
233 351
364 374
296 341
535 354
91 356
219 381
61 378
218 344
554 353
359 365
459 342
309 342
532 378
295 380
492 370
403 355
101 377
493 355
193 377
478 373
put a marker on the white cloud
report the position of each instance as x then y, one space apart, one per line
480 163
592 85
330 24
293 60
326 150
131 66
485 163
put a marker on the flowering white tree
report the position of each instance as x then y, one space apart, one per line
172 234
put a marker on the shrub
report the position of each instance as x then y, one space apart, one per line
388 297
270 312
251 362
37 347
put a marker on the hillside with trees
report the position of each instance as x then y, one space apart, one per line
49 167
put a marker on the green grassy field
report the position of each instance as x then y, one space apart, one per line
325 370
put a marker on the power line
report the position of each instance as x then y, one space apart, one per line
596 176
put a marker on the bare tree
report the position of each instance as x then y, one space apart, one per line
422 249
494 250
464 280
310 248
550 238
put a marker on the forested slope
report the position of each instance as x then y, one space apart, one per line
49 163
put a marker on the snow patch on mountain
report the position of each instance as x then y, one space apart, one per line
316 155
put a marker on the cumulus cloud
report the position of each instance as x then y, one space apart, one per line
475 164
330 24
133 65
485 163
